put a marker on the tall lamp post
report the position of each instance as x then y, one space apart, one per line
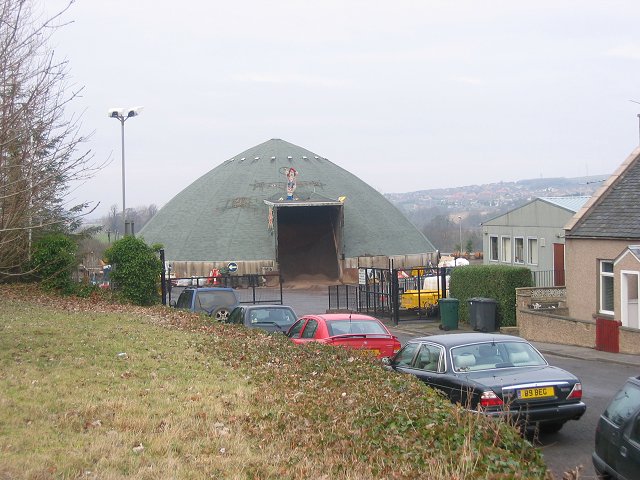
124 114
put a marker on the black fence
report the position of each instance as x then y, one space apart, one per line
344 297
251 289
394 293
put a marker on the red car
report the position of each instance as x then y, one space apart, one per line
347 330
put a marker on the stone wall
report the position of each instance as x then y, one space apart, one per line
541 316
629 340
540 326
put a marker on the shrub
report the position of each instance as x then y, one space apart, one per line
492 281
53 261
136 270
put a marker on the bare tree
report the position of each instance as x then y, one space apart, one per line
113 220
138 216
151 211
38 142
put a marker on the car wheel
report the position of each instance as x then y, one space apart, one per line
221 314
551 427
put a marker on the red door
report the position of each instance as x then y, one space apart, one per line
558 264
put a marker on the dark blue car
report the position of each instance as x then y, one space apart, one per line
216 302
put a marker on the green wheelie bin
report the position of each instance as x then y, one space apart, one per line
449 308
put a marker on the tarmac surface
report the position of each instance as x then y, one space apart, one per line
316 300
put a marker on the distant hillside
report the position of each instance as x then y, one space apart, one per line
500 196
438 212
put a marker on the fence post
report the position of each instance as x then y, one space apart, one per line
346 296
395 290
443 281
366 289
163 279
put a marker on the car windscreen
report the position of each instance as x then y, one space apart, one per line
279 316
490 355
624 404
345 327
208 300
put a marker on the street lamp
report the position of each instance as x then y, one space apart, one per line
123 114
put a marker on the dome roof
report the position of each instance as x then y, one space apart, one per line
225 214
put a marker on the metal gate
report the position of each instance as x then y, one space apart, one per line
394 293
251 289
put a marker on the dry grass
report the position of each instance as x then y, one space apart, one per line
79 394
90 389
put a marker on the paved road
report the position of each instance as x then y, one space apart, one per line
573 445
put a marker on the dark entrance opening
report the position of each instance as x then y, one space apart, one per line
309 241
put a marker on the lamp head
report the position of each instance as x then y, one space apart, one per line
116 112
132 112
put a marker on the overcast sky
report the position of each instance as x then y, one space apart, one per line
407 95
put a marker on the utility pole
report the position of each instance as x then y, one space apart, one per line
460 225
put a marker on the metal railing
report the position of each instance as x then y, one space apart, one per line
548 278
343 297
371 298
251 288
379 291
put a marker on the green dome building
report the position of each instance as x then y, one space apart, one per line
279 207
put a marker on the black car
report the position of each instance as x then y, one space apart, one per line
500 375
272 318
617 452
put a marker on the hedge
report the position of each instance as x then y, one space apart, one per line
498 282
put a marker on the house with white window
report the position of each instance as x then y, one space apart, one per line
532 236
602 249
599 305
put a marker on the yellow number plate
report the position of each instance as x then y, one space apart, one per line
540 392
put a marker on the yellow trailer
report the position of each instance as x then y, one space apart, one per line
422 300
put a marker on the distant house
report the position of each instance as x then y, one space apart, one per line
603 250
532 236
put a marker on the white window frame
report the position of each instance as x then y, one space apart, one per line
531 250
491 239
627 295
505 242
602 277
523 255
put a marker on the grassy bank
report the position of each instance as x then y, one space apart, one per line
94 390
